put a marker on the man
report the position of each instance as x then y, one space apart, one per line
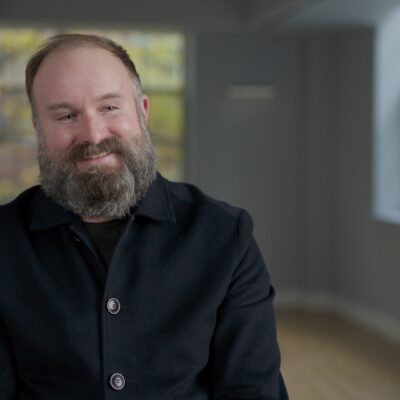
114 282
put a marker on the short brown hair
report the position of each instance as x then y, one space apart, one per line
70 40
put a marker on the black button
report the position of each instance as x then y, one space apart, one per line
117 381
113 306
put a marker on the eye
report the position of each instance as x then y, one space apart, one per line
110 108
67 117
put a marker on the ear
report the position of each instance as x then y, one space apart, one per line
35 124
145 105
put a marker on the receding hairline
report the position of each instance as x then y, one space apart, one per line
70 48
65 42
74 44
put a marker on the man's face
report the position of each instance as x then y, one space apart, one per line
93 141
85 95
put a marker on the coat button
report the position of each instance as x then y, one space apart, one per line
117 381
113 306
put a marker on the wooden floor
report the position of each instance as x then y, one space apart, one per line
325 357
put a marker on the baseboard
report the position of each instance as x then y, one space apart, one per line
376 321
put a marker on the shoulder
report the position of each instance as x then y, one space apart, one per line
189 194
17 211
192 203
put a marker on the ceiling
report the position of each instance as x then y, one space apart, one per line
336 14
200 15
288 15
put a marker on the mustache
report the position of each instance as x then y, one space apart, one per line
82 151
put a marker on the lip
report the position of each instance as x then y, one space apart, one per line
102 159
95 157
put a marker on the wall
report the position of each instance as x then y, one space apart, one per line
317 219
301 163
365 252
357 263
247 151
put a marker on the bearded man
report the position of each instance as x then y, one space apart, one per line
114 282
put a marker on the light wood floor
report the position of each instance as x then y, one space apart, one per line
325 357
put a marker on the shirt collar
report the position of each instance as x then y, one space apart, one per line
156 204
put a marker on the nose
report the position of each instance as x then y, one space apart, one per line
91 129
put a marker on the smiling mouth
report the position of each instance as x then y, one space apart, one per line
106 159
94 157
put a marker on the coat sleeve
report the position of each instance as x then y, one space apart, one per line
8 381
244 354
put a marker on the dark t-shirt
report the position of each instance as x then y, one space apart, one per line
105 236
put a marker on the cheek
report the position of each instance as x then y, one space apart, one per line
126 128
56 140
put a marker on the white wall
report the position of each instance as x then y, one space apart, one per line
247 151
301 163
351 259
364 253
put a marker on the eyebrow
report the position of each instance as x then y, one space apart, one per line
66 105
57 106
111 95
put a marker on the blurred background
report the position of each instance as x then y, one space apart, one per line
289 108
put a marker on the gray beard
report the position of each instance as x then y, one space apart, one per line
99 192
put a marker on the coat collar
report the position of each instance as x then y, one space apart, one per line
156 204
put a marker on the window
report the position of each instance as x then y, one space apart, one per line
386 143
159 58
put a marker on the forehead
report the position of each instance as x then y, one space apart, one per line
80 71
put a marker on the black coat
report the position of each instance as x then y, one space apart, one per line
192 317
